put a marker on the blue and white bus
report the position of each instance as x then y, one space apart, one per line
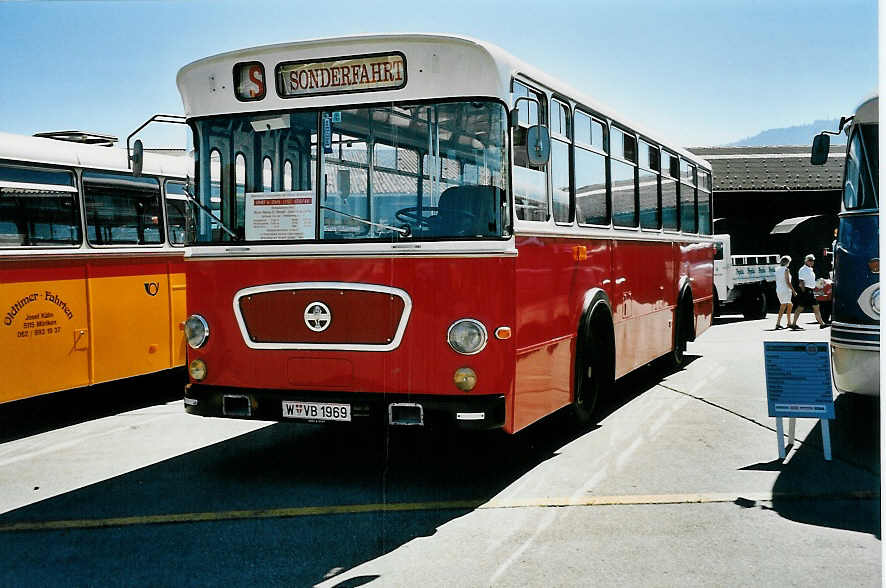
855 334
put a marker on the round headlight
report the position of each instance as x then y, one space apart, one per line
197 369
196 331
875 300
467 336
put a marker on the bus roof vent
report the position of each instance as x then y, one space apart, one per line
80 137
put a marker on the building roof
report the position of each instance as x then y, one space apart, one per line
776 168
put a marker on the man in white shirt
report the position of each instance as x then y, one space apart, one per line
805 297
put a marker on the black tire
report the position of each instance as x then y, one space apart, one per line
681 337
755 305
591 373
716 304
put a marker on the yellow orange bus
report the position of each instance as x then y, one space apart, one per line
92 287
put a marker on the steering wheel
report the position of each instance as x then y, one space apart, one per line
410 215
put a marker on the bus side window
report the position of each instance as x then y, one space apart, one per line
530 182
705 218
623 155
122 210
38 207
650 213
670 170
180 215
688 221
591 204
560 177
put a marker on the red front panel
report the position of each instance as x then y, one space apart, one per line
361 317
441 290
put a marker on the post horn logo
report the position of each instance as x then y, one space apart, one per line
152 288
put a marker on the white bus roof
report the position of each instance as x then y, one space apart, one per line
22 148
485 70
868 111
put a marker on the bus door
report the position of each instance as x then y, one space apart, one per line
129 282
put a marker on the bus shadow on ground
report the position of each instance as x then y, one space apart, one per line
278 467
32 416
440 474
845 492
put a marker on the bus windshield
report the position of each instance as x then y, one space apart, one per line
862 162
393 172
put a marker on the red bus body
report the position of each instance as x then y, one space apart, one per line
538 292
550 288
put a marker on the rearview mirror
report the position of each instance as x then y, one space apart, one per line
137 158
821 146
538 144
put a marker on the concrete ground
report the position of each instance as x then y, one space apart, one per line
678 483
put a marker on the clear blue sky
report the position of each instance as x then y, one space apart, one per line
704 72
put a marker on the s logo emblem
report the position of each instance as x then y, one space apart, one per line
152 288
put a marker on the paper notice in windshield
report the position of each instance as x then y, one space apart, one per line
280 216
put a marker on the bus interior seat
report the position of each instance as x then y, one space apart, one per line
467 210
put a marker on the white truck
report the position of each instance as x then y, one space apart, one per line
743 282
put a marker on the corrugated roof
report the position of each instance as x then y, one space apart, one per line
775 168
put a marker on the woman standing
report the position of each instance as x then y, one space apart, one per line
784 289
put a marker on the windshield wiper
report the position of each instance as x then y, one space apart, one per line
209 212
404 231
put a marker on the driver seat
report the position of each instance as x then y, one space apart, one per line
467 211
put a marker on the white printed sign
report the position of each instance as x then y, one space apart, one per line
280 216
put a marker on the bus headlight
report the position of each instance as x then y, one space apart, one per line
197 369
869 301
467 336
196 331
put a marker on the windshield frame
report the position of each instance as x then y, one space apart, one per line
503 185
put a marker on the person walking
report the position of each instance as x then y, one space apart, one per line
784 290
805 298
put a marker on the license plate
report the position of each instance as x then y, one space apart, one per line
316 411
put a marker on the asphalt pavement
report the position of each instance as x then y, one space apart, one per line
677 483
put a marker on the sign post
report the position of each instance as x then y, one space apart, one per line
798 385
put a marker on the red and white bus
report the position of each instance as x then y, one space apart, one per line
422 227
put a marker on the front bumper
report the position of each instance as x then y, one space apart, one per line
464 411
856 370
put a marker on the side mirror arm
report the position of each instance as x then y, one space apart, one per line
130 156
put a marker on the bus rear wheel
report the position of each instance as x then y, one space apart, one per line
591 361
682 321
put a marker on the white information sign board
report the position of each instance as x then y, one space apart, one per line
281 216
